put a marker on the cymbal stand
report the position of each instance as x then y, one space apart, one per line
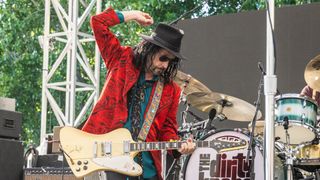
289 154
184 130
184 124
176 168
252 143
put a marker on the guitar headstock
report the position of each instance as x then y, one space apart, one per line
223 146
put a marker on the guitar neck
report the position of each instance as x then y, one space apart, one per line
149 146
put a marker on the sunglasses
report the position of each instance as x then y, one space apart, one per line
165 58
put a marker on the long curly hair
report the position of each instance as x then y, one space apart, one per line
147 49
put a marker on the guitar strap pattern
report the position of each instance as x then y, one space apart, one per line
151 112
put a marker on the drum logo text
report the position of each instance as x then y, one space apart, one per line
224 167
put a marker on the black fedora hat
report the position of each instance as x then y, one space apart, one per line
167 37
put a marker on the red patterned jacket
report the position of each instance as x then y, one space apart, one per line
111 110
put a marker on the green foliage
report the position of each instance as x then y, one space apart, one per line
22 21
20 61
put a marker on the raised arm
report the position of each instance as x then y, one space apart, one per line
108 44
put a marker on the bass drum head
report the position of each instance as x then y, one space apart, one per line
206 163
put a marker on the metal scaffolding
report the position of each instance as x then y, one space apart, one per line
73 56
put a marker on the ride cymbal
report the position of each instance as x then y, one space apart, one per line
312 73
226 106
189 84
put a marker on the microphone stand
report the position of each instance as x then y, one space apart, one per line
252 143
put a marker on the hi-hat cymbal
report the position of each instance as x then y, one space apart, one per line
189 84
231 107
259 127
312 73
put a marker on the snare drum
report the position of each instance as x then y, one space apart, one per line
206 163
301 112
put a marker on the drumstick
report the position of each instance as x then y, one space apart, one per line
314 92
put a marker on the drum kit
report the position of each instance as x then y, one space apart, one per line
297 133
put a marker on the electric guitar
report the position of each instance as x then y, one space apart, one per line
114 151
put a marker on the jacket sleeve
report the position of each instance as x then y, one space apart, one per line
108 44
169 131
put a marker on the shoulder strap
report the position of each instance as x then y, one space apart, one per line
151 112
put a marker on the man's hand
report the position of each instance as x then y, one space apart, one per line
142 18
187 147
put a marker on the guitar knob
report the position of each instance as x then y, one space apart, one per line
79 163
85 162
85 167
78 169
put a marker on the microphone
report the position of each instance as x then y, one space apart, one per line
286 122
195 116
315 141
212 115
260 66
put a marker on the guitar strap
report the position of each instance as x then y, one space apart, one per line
151 112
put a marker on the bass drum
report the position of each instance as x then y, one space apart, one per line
206 163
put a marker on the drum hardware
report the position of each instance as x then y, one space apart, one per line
201 127
190 129
196 117
184 114
317 174
174 170
252 144
286 127
259 128
289 155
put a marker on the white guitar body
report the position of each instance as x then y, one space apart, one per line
87 152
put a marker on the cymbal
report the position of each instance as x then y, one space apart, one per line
227 106
259 127
189 84
312 73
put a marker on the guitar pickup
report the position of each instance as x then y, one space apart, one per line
126 147
107 148
95 148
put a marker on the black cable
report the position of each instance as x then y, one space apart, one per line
185 14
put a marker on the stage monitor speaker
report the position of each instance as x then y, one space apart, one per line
11 159
52 160
10 124
49 173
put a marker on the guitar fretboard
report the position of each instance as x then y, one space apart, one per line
149 146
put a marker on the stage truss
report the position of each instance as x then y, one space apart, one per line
70 59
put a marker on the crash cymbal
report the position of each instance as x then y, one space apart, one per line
189 84
226 106
312 73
